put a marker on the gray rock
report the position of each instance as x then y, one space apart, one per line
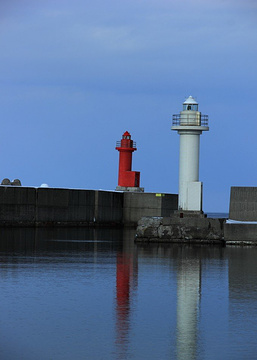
6 181
16 182
180 229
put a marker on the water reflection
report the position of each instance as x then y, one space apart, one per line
188 301
126 285
109 298
243 300
200 278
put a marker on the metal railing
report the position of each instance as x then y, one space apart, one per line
131 144
202 121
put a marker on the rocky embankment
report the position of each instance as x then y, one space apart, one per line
175 229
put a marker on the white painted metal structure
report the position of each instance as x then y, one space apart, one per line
189 124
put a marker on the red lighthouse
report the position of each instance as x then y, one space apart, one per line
127 178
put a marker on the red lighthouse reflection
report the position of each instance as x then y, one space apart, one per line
126 283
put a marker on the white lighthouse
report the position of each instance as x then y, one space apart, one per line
189 124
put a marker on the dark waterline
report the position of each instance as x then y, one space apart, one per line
94 294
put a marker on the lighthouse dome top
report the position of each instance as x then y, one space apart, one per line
190 100
190 104
126 135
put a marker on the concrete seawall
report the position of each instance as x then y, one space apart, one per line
27 206
243 203
240 229
137 205
243 213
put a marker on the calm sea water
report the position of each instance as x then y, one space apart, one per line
94 294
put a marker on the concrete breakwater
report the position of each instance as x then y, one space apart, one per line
240 229
175 229
29 206
156 214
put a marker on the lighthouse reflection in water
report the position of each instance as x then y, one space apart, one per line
94 294
188 299
126 285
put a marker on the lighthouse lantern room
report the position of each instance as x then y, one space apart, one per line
189 124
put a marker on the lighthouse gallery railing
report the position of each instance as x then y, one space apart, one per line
176 121
134 145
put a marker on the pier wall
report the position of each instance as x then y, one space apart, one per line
240 233
243 209
17 204
243 203
27 206
137 205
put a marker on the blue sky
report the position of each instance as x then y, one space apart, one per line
76 74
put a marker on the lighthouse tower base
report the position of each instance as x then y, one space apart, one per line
130 188
190 196
188 214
